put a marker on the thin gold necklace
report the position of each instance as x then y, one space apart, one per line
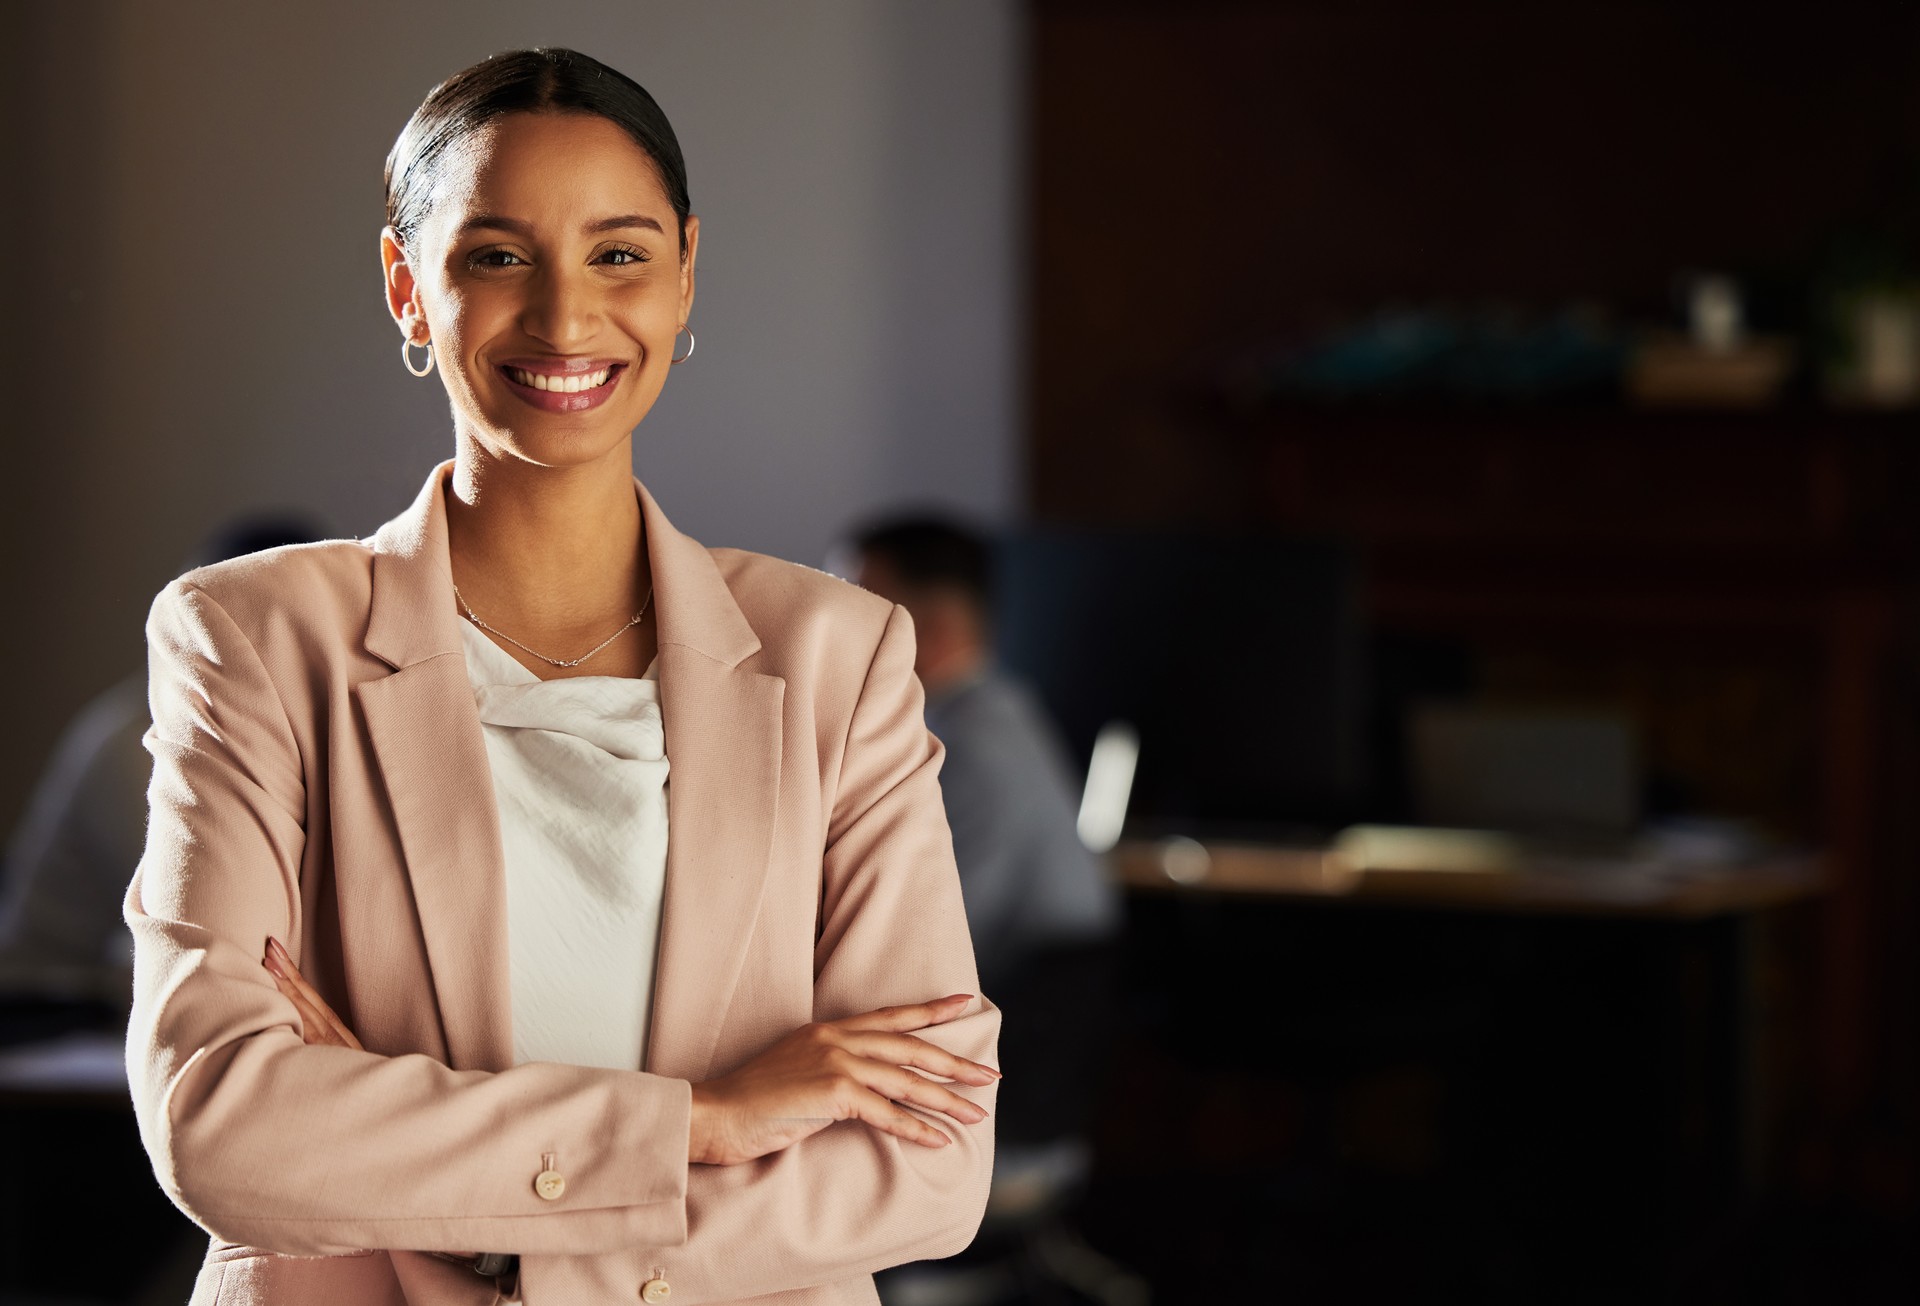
557 662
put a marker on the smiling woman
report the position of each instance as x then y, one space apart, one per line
536 902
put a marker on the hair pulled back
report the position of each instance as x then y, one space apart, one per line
547 79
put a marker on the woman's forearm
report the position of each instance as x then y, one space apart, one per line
320 1150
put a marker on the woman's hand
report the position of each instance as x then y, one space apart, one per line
318 1023
850 1069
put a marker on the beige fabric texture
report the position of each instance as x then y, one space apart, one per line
320 776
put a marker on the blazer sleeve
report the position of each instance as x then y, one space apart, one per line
851 1199
263 1140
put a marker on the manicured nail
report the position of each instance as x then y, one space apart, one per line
273 967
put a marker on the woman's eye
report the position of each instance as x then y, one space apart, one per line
495 258
621 258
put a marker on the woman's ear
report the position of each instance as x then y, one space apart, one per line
397 274
687 257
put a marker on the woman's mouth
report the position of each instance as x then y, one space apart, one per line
565 388
561 384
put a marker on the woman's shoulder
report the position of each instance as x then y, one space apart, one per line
287 571
791 605
323 584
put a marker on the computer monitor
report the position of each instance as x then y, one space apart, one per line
1238 659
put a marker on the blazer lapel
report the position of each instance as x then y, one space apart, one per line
723 733
426 734
424 730
723 744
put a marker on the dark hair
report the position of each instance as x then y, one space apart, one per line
932 553
548 79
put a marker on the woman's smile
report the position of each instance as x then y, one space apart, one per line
562 385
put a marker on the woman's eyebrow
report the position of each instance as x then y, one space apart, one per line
626 220
495 222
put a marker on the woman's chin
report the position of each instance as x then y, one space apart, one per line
558 444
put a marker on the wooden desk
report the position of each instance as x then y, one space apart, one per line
1711 913
1560 885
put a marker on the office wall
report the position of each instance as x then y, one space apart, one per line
197 272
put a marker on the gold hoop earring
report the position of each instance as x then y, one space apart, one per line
690 344
406 356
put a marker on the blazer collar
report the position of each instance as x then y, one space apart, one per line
414 618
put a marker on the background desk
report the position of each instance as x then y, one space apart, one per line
82 1220
1548 885
1551 1084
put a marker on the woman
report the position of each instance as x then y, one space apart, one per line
600 1064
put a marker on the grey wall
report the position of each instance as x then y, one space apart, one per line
200 323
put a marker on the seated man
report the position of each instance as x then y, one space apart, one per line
1028 881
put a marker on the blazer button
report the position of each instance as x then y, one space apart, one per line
550 1184
655 1291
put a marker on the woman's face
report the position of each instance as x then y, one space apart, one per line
549 277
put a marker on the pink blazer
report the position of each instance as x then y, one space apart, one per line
320 776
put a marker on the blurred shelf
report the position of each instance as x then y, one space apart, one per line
1807 481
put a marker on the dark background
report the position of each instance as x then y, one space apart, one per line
1056 275
1360 1104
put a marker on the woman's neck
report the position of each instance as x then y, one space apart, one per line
554 556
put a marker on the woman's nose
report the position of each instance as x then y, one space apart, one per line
562 310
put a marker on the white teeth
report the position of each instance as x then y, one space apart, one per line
562 384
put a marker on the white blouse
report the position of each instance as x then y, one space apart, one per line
580 779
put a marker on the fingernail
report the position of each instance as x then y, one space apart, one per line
958 997
273 967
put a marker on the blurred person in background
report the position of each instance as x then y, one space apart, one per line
1028 881
65 955
442 989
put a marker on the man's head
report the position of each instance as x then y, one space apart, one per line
942 573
